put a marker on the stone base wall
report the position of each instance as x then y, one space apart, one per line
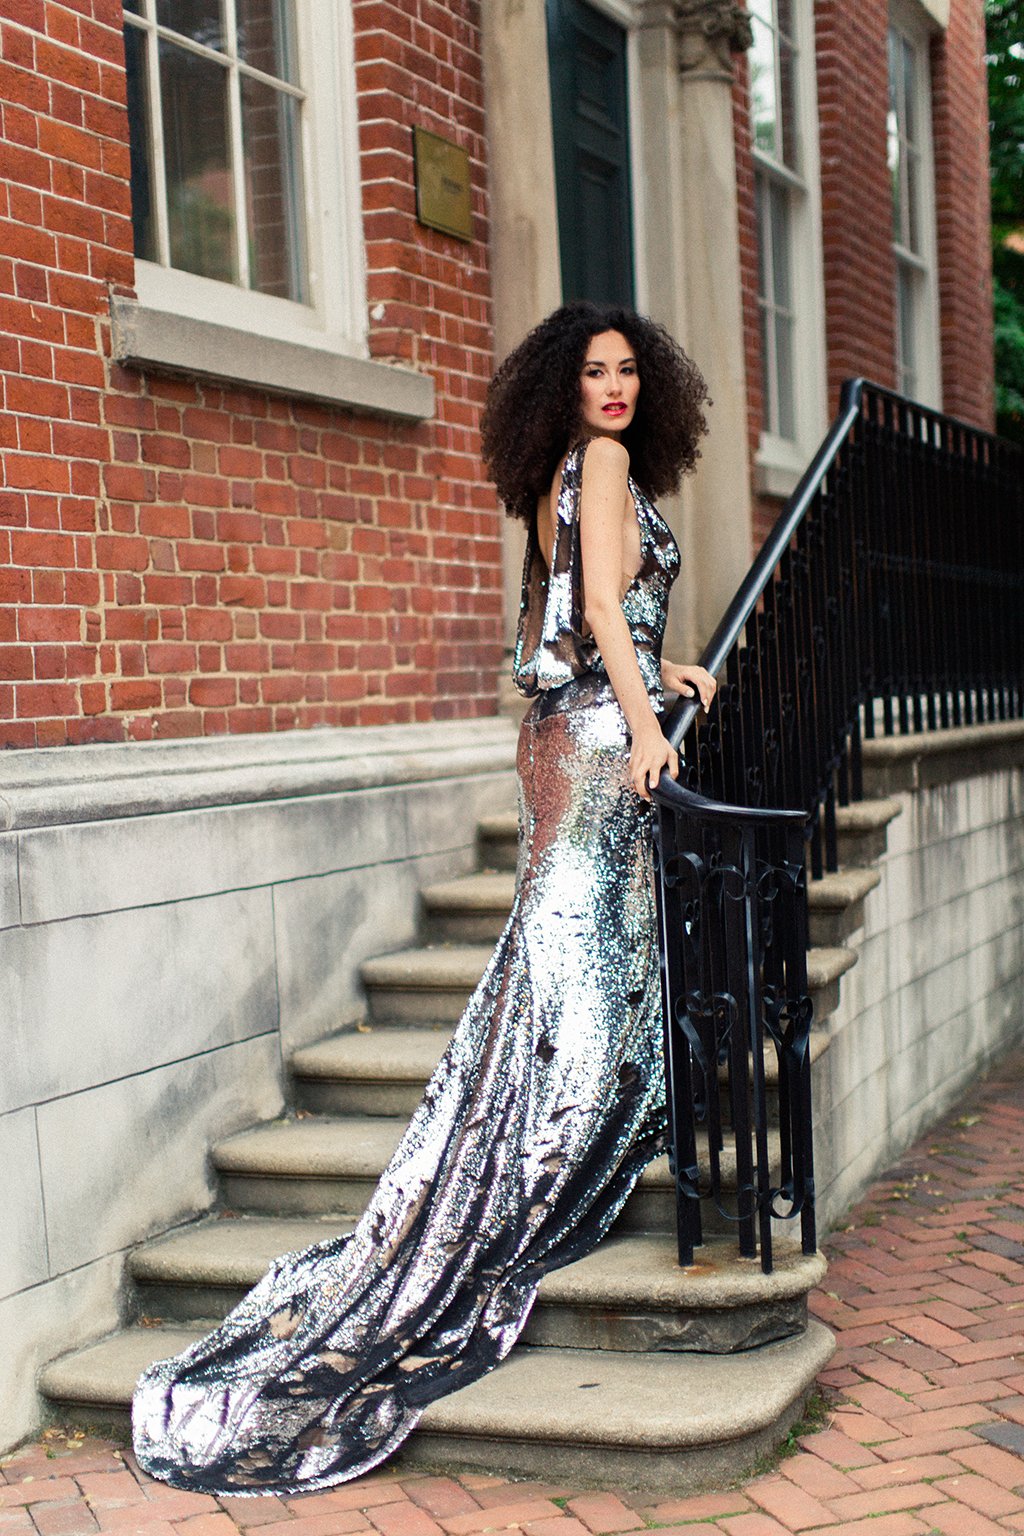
174 920
938 990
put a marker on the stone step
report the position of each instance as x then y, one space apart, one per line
498 840
629 1293
367 1071
475 908
471 910
198 1272
835 904
432 984
426 985
861 829
324 1166
383 1071
311 1166
663 1421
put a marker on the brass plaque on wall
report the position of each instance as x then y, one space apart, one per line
442 184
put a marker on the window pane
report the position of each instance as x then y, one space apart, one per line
140 144
784 374
909 113
767 382
763 9
200 198
787 150
266 37
894 70
780 246
762 88
913 188
273 181
197 19
784 20
895 173
761 195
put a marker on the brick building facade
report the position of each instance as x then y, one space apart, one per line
193 555
254 589
859 269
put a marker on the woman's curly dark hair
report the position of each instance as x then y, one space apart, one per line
532 414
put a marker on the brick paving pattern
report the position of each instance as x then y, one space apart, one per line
925 1429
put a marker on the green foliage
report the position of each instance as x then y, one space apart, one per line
1004 41
1008 301
1004 46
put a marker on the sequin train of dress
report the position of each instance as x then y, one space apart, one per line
541 1115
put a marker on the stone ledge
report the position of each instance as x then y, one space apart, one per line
153 338
929 758
54 786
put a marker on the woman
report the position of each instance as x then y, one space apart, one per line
548 1102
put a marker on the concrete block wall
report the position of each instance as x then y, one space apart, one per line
174 919
938 990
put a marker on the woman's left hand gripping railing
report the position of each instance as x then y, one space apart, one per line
732 914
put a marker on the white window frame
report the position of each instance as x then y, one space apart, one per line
917 25
182 320
780 461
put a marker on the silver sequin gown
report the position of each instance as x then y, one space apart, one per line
533 1129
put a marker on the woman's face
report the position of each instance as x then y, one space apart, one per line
609 385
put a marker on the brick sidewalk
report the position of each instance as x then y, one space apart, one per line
926 1434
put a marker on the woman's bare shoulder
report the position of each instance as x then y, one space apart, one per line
605 462
607 453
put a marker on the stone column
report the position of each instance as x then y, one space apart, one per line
717 501
526 277
688 206
663 212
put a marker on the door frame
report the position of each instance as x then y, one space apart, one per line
625 14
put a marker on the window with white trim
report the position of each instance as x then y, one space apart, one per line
789 289
777 177
245 192
913 210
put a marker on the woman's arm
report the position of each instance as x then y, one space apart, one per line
603 500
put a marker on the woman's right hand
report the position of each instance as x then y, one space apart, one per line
651 753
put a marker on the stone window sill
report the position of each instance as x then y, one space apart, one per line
778 466
144 337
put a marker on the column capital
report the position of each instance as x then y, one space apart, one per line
655 13
709 33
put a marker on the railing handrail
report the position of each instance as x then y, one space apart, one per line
713 657
703 809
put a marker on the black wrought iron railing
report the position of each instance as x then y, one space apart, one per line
888 597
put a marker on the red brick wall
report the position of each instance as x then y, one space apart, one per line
178 558
859 272
960 131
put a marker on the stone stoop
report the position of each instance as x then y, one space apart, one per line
631 1370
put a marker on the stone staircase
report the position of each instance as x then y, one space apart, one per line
631 1370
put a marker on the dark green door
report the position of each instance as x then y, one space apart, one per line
590 116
